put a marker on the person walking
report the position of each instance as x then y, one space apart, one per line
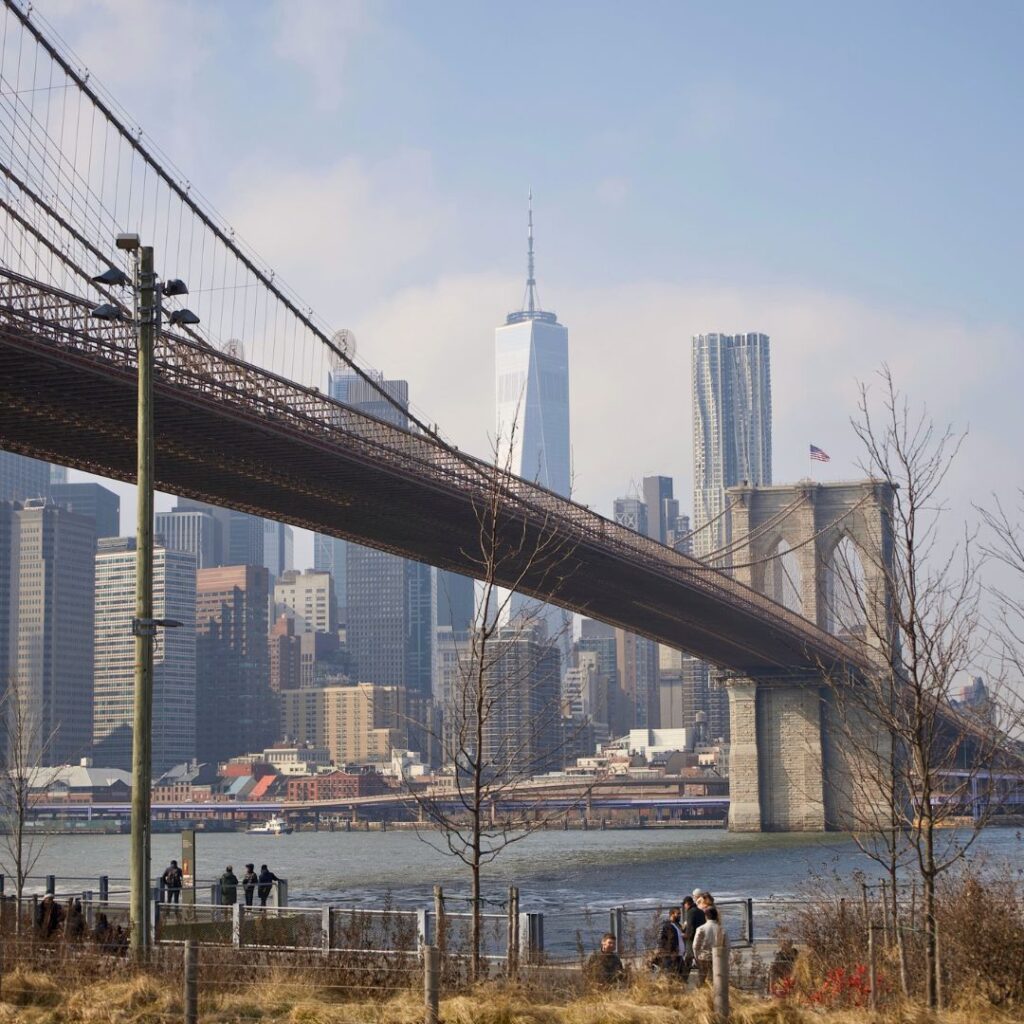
693 918
229 887
171 881
704 942
249 880
668 959
267 879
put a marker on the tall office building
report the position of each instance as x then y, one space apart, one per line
308 598
454 599
227 536
631 513
236 710
174 656
95 502
389 606
732 427
532 423
51 626
638 679
194 530
22 478
662 508
329 556
58 474
7 525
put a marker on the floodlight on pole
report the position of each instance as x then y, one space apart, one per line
112 276
128 242
183 317
175 287
107 311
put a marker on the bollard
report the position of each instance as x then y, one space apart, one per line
531 927
720 977
431 983
191 972
281 892
51 885
327 930
104 889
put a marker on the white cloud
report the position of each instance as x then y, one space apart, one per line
343 233
317 36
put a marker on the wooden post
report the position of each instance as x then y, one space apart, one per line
720 977
872 967
440 924
512 941
885 912
191 996
431 984
326 930
237 919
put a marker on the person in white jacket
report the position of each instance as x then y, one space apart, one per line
705 941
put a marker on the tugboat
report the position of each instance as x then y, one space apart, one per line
273 826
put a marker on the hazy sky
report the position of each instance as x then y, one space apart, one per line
846 179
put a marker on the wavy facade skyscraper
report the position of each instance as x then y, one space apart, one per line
732 427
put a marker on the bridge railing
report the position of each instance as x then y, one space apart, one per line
64 320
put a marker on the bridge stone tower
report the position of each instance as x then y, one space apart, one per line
788 769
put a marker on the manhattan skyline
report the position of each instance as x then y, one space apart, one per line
395 211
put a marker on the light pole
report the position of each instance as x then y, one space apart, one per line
146 296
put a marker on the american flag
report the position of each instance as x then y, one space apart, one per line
819 455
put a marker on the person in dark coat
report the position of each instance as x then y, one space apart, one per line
172 880
228 887
249 880
267 879
605 968
669 957
693 918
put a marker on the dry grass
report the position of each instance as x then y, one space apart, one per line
32 997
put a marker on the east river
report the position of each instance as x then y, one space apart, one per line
555 870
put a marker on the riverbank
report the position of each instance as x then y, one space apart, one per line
33 997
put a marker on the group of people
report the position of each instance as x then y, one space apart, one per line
69 921
253 884
261 885
685 940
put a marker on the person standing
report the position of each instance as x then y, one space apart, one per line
693 918
704 942
267 879
668 959
249 880
228 887
172 880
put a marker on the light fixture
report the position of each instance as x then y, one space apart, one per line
128 242
175 287
112 276
184 317
107 311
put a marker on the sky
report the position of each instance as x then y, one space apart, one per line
844 178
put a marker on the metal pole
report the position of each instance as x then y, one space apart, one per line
872 967
146 313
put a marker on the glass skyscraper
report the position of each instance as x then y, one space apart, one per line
531 365
732 427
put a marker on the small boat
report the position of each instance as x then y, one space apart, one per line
273 826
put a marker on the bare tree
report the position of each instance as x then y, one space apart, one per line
502 710
23 755
913 761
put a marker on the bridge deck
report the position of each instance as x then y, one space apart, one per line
235 435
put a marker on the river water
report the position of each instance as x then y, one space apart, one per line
555 870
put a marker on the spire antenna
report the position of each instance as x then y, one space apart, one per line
531 281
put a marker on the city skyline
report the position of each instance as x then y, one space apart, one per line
407 243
